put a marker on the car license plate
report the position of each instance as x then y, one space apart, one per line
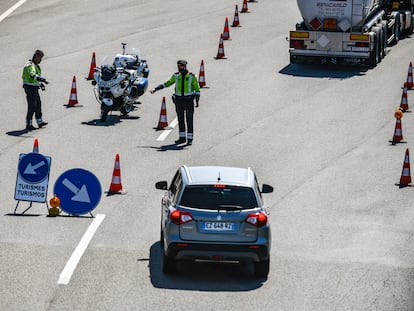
218 226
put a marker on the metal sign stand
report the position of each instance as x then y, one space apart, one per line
30 206
75 215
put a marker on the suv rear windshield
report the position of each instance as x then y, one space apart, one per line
223 197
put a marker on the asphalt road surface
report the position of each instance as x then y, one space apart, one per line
342 230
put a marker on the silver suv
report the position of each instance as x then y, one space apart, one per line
215 213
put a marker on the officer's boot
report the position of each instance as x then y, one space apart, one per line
189 138
40 122
29 125
181 138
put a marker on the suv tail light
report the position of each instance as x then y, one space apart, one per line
179 217
257 219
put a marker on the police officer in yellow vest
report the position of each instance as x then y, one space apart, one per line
186 90
32 81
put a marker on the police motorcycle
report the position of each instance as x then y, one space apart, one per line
120 81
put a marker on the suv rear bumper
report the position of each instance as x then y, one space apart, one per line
218 252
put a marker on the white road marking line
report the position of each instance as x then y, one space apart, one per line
11 10
70 267
164 134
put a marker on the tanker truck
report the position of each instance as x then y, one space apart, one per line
349 32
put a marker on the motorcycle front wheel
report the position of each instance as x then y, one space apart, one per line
104 113
127 108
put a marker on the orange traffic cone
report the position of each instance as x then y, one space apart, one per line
201 76
236 21
163 123
405 179
410 83
220 52
226 30
244 9
398 136
404 99
73 98
36 146
92 68
116 185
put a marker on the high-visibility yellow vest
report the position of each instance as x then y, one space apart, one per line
184 87
31 74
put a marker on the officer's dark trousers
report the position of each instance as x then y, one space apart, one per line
184 106
34 104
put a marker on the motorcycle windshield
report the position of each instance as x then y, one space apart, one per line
107 60
133 52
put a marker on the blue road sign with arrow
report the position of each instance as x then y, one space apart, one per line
32 177
79 191
33 167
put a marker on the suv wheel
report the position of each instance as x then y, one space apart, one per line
261 268
168 265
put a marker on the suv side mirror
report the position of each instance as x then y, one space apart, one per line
267 188
162 185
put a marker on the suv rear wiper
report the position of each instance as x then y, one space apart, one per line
229 207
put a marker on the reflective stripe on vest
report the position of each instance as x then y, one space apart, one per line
178 86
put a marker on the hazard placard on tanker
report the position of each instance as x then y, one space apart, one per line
32 177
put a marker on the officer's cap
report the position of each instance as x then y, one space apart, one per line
182 62
39 52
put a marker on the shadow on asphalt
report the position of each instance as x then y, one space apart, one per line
171 147
18 132
110 121
203 276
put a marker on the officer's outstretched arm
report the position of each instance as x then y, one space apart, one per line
157 88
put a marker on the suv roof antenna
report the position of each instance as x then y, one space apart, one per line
218 178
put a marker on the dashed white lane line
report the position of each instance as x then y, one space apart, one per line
70 267
164 134
11 10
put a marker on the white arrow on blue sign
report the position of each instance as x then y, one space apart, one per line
79 191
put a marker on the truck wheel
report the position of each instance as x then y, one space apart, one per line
384 28
168 265
379 44
396 30
410 30
374 55
261 268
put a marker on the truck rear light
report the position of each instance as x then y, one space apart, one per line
179 217
297 44
362 44
257 219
